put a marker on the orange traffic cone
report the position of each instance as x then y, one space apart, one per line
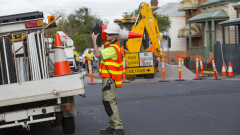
224 73
123 35
61 63
230 70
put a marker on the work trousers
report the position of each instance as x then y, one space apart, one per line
110 104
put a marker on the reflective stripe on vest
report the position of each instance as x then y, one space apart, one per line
111 72
114 67
112 63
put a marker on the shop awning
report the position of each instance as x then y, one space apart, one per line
211 2
187 4
216 2
216 15
195 31
231 22
237 5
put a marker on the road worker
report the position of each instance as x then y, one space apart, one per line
110 70
76 58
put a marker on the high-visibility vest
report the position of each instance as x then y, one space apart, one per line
90 55
114 67
76 55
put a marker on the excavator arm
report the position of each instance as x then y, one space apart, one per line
148 23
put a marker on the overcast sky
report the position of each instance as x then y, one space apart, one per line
104 9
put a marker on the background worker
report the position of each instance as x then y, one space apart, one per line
110 70
91 55
76 58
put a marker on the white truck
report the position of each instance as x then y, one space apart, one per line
28 92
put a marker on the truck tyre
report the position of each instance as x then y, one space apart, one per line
68 125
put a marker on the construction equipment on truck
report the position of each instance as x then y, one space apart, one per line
68 48
29 93
141 61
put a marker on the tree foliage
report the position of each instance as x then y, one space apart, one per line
130 14
78 26
163 20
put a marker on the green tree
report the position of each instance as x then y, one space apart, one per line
163 20
130 14
82 41
78 26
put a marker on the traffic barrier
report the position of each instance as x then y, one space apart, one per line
230 70
197 67
201 65
183 58
124 69
224 73
214 68
90 71
179 68
93 67
124 64
61 65
163 70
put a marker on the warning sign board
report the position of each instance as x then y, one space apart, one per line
132 59
50 19
146 59
140 70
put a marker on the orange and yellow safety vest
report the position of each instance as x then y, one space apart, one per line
114 67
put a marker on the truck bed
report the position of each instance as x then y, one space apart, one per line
32 91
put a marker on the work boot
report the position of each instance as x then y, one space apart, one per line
107 131
118 132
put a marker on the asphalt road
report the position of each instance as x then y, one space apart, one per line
148 107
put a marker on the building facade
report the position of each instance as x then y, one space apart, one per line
178 45
212 13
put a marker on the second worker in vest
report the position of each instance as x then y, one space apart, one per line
76 58
110 70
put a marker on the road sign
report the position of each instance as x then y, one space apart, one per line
50 19
140 70
132 59
146 58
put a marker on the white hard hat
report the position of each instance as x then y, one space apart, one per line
112 28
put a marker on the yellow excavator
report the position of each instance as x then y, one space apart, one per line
140 59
